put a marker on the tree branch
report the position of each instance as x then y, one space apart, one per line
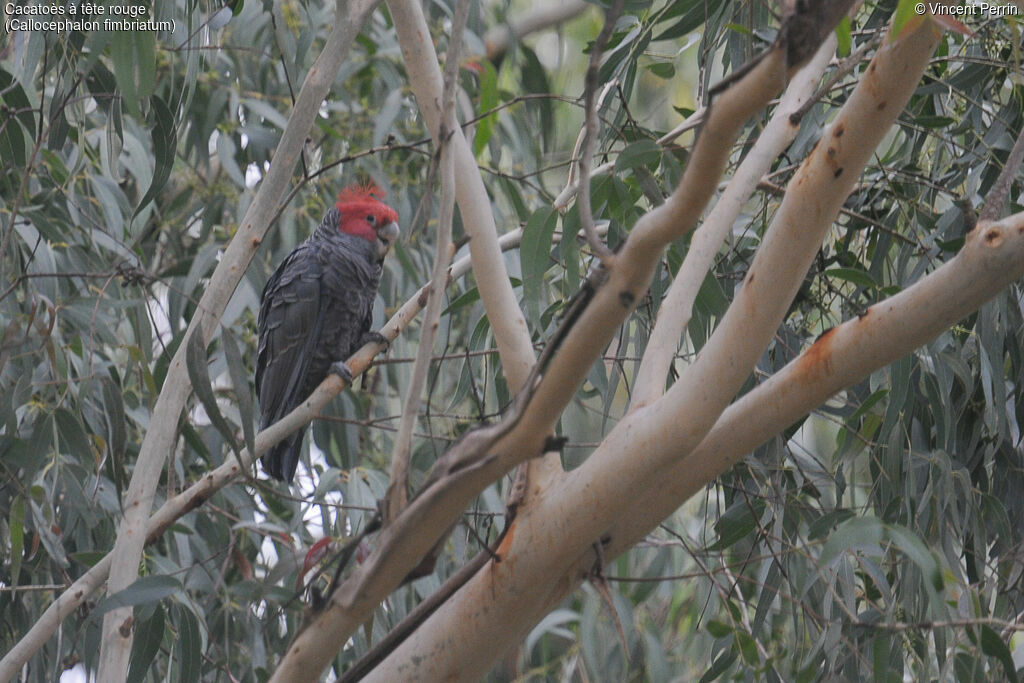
398 494
511 334
497 40
1000 191
674 313
572 181
991 259
689 123
552 544
597 245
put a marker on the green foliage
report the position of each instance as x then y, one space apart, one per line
872 540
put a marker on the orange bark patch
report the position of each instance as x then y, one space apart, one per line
817 360
506 542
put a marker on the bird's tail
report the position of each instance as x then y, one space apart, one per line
281 460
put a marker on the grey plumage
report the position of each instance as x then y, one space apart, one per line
316 309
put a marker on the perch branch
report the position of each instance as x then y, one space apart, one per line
554 542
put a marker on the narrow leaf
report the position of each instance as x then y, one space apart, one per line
913 547
114 137
114 405
736 523
994 646
858 277
696 13
164 143
720 666
535 257
74 439
905 18
195 360
240 382
640 153
191 650
843 37
665 70
488 79
122 52
148 637
859 531
146 589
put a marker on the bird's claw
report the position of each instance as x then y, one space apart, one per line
374 337
341 369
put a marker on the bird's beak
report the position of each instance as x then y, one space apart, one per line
387 235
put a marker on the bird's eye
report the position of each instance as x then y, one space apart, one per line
371 219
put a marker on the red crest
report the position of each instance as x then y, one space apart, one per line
361 192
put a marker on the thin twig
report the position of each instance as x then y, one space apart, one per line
1001 189
689 123
398 494
498 39
397 635
844 67
598 246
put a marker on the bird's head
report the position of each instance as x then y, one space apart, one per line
364 215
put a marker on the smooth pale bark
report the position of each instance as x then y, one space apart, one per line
675 311
551 547
991 259
511 334
398 494
448 646
163 427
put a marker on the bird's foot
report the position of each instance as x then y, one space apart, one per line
374 337
341 369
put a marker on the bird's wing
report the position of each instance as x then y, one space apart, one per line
288 329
